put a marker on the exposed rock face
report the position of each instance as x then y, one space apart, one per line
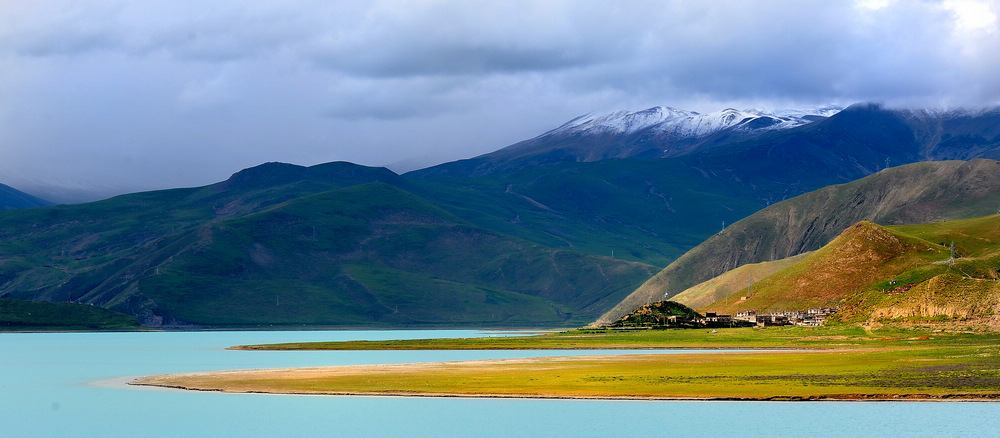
949 300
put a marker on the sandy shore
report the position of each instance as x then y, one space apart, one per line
407 379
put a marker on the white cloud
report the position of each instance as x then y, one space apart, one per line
972 16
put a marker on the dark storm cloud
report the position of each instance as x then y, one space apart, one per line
473 38
396 99
137 95
815 52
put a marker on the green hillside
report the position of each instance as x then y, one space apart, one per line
92 253
644 210
330 245
376 254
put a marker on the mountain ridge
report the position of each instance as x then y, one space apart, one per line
683 123
11 198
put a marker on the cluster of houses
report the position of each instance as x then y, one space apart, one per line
669 314
810 318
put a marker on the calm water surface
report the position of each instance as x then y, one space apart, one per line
48 389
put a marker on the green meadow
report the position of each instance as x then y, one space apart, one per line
826 363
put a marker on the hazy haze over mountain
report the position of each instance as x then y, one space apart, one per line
105 97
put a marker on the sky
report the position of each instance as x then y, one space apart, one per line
106 97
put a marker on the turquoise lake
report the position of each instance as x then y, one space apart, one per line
69 385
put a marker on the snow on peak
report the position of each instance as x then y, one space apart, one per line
682 123
625 121
820 111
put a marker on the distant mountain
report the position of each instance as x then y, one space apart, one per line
663 132
11 199
658 132
942 274
652 209
329 245
858 140
914 193
854 143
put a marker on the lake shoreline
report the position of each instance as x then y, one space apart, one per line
76 384
965 398
654 377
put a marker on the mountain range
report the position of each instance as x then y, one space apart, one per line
555 230
278 244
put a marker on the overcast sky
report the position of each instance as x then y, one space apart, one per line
104 97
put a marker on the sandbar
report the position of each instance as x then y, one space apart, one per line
840 375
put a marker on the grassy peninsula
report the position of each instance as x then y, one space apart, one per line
791 363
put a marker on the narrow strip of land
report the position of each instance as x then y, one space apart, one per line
904 371
787 338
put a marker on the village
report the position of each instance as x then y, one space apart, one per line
670 314
809 318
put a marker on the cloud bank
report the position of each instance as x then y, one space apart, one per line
110 96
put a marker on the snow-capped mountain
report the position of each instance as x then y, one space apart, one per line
680 123
657 132
851 142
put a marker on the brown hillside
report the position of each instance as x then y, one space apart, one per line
861 256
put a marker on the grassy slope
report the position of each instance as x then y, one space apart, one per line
915 193
861 256
374 254
649 211
17 315
713 290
